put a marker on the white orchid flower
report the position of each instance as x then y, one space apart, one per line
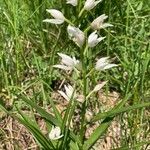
76 35
93 39
90 4
67 63
55 133
58 17
103 64
69 92
98 23
72 2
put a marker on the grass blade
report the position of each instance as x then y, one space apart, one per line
118 111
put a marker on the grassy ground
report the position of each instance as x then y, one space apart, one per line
28 49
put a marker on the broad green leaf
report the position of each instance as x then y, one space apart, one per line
35 130
41 111
70 115
97 133
48 116
44 142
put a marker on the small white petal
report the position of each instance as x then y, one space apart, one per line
93 39
55 133
67 63
99 86
53 21
100 39
63 67
72 2
56 14
98 23
67 60
71 30
63 95
76 34
58 17
75 61
110 66
103 64
102 60
69 92
90 4
105 25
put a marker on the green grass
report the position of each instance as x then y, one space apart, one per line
28 49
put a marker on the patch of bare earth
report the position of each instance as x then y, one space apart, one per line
15 136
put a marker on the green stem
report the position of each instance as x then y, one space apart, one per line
81 12
84 72
69 22
87 29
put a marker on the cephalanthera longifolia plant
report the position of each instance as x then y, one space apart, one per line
64 133
83 69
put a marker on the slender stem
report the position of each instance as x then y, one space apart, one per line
87 29
69 22
84 72
81 12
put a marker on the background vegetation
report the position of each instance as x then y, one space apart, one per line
28 49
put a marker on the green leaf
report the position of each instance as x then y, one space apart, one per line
41 111
48 116
118 111
66 132
44 142
97 133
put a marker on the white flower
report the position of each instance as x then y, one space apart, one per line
69 92
103 64
98 23
90 4
76 35
67 63
99 86
93 39
55 133
58 16
72 2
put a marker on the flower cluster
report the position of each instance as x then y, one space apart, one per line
84 42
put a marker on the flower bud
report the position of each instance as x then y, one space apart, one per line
98 23
103 64
72 2
76 35
58 17
90 4
93 39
